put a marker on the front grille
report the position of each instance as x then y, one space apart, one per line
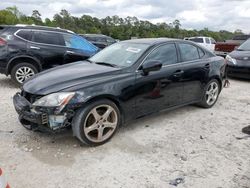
44 119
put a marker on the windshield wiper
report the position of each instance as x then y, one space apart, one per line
107 64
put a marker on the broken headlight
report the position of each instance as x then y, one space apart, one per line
231 60
58 100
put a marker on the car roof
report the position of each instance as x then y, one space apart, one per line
198 37
93 35
38 27
151 41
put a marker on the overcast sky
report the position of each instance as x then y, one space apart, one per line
193 14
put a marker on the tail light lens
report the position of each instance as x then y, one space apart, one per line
3 42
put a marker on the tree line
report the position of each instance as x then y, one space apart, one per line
114 26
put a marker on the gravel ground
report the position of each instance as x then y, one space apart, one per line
201 146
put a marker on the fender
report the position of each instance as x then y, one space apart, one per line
38 62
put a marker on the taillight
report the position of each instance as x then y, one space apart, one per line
3 42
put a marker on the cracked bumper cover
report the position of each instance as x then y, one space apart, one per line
23 108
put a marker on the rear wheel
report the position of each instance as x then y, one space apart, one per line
97 123
22 72
211 94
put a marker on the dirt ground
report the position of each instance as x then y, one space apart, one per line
203 147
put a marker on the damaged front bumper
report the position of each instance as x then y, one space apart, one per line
44 118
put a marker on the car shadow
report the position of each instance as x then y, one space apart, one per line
239 79
154 117
7 83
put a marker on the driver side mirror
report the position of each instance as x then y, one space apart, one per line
150 66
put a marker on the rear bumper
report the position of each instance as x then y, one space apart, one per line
239 72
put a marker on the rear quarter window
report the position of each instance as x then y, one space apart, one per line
201 53
8 33
24 34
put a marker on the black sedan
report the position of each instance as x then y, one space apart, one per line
125 81
239 61
99 40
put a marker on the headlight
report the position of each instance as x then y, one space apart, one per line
230 59
55 100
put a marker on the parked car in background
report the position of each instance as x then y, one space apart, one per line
223 48
124 81
26 50
206 42
99 40
238 61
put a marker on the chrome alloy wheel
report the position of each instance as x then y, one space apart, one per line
23 73
212 93
100 123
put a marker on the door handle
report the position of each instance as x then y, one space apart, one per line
34 47
70 52
207 66
178 73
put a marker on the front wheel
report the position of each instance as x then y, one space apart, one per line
211 94
97 123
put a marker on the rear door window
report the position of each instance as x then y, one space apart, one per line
207 40
79 43
51 38
188 52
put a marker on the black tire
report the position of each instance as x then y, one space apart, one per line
18 67
204 103
82 114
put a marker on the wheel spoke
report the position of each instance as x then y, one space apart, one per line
100 134
91 128
209 98
215 89
211 88
107 113
109 124
95 114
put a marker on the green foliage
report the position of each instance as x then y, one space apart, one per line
119 28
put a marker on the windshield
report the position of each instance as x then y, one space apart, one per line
120 54
245 46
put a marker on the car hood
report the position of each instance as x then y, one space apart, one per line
241 55
66 76
242 58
